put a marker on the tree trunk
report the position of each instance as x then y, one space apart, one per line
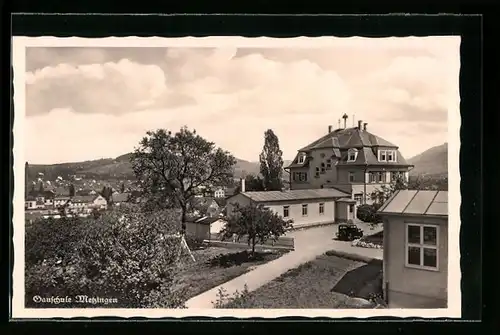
253 246
183 219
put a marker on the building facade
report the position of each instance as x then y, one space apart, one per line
350 159
304 207
415 267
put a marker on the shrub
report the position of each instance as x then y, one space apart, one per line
255 223
130 257
236 300
368 213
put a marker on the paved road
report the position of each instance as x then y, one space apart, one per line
309 243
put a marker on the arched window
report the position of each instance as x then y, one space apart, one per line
352 154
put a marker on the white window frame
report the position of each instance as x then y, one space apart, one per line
393 154
380 152
380 177
301 159
304 206
287 209
321 209
421 246
353 152
358 198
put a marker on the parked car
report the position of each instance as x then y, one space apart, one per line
349 232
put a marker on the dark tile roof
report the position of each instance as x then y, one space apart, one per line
207 220
120 197
366 156
417 203
309 194
341 140
202 201
221 201
83 198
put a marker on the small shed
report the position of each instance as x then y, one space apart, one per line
416 249
202 228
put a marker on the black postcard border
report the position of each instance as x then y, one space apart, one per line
471 93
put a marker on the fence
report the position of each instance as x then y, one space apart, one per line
283 242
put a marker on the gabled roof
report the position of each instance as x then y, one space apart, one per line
221 201
309 194
417 203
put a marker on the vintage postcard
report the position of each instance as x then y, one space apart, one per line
231 176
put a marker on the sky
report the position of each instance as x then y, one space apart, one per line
85 103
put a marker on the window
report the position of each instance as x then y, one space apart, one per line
386 155
376 177
301 158
382 156
380 177
358 198
351 208
352 154
328 164
323 170
300 176
421 246
321 208
286 211
304 210
391 156
351 177
397 175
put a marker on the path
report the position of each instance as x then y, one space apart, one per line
309 243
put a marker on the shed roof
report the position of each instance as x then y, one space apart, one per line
417 203
309 194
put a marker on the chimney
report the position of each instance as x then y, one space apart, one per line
364 125
242 185
330 129
359 124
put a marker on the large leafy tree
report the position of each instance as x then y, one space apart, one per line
255 223
271 162
252 183
71 190
171 167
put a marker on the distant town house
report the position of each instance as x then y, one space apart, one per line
204 206
219 192
120 198
350 159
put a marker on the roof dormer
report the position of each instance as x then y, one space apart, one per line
352 155
301 158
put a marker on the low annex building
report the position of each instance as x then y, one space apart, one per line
304 207
416 249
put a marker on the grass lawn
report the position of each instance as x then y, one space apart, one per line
327 282
215 266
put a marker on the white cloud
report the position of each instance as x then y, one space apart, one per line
232 98
109 88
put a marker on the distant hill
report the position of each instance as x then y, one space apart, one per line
119 168
433 161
